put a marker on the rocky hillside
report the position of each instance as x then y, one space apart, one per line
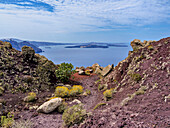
134 94
24 71
141 89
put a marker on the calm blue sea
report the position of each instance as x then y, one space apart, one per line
85 56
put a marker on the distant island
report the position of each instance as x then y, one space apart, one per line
18 44
97 45
87 46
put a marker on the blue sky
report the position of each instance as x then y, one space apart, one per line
85 20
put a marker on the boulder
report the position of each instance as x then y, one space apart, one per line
106 70
81 72
50 105
77 70
98 71
60 84
91 70
74 102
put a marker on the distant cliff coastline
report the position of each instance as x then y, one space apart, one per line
18 44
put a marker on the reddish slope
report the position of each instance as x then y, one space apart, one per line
148 109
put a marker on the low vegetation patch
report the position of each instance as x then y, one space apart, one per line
102 87
140 91
97 81
7 121
98 105
74 115
136 77
1 90
108 94
31 97
88 92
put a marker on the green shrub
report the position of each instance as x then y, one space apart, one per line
64 72
61 91
6 121
74 115
76 90
136 77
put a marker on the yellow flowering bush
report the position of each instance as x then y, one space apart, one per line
87 72
61 91
108 94
76 90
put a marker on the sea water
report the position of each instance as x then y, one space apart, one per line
85 56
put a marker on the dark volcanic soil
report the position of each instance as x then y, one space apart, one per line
53 120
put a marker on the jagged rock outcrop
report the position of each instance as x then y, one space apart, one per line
24 71
137 44
106 70
96 69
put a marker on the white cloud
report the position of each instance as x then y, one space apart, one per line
84 15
